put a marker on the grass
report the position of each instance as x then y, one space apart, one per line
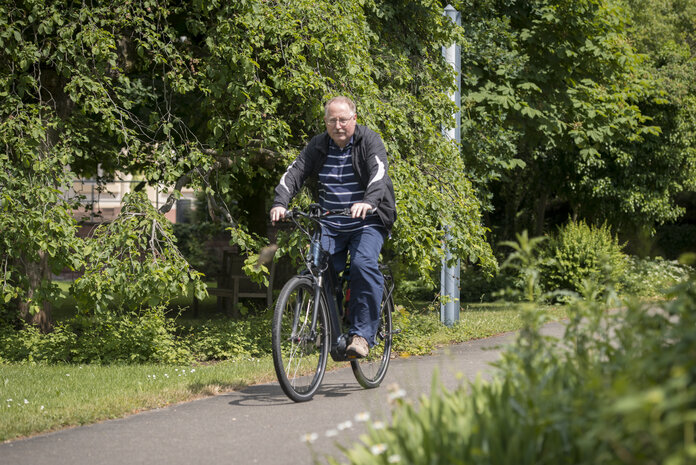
42 398
476 321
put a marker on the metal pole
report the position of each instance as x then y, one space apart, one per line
449 277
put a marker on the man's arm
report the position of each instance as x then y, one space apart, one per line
377 166
293 179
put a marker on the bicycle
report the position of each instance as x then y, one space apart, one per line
309 320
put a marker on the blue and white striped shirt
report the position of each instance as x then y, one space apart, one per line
339 188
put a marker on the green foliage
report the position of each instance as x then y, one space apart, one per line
416 329
579 253
110 338
525 262
133 262
219 97
619 388
135 338
650 277
37 230
228 339
555 94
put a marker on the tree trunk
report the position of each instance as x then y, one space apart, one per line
540 213
36 273
513 199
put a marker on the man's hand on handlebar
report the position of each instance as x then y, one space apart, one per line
277 214
360 210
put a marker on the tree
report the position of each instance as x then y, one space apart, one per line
221 96
556 96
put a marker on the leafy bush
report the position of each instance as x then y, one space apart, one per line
30 345
224 339
579 252
415 331
648 277
620 388
149 337
415 289
128 338
524 265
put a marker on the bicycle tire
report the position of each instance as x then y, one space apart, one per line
299 360
371 370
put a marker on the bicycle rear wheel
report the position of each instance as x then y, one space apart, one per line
370 371
299 357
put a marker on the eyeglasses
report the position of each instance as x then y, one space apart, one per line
343 121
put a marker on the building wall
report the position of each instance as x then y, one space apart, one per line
107 200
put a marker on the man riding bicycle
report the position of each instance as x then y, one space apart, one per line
350 163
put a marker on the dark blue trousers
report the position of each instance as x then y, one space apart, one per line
364 246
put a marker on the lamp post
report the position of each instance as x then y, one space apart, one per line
449 276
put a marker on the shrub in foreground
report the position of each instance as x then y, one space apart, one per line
620 388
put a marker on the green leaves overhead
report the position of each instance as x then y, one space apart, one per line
220 96
559 86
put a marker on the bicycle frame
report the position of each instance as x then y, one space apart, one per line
305 332
323 275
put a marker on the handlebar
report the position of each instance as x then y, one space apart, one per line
317 212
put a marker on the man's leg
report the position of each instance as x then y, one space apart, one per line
365 283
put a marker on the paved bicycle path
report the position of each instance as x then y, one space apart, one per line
257 425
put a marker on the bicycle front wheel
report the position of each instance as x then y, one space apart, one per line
370 371
299 354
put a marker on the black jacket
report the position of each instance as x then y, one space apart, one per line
369 162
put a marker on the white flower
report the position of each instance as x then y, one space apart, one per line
331 433
345 425
378 425
67 374
8 400
193 370
378 448
26 401
42 407
395 458
362 417
309 438
396 394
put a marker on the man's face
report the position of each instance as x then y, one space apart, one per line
340 123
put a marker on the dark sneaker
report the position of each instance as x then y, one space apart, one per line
358 347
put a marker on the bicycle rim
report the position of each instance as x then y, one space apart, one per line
370 371
298 356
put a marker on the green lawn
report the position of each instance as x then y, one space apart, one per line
40 398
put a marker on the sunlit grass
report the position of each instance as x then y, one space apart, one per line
40 398
43 398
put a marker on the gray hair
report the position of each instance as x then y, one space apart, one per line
340 99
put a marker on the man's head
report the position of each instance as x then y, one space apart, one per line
340 117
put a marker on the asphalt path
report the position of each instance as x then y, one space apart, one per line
258 425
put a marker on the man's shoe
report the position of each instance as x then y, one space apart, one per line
358 347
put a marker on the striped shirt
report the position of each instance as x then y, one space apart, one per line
339 188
